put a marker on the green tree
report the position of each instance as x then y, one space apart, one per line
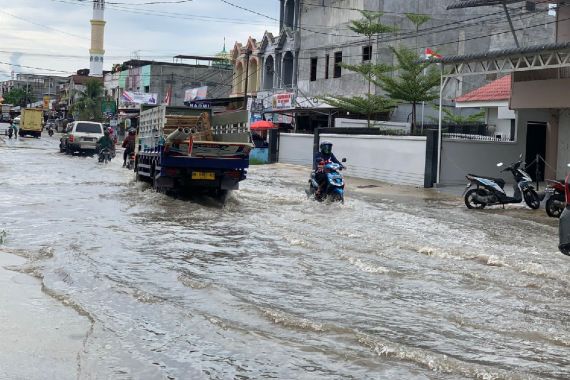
19 96
450 117
88 103
418 20
368 26
415 83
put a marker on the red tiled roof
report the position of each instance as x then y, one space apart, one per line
499 89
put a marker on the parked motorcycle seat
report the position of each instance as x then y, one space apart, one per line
499 181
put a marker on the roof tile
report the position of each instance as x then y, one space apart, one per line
499 89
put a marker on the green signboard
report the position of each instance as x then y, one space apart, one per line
108 107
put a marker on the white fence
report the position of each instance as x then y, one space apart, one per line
392 159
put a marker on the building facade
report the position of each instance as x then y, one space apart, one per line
168 81
38 85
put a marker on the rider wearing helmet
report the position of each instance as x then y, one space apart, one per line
323 156
106 142
129 145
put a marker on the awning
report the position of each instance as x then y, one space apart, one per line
262 125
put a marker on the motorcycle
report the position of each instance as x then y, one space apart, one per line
50 131
334 187
555 201
105 156
131 161
564 225
490 191
10 132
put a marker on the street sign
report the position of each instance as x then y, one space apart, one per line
108 107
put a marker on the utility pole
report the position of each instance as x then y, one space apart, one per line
247 55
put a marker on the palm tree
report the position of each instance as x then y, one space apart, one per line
88 104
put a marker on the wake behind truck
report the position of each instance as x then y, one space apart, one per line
31 121
179 150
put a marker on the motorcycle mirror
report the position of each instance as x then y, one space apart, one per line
499 164
344 160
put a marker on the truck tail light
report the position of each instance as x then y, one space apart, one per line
171 172
71 138
235 174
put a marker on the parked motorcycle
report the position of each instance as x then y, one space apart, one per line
554 195
334 187
105 155
490 191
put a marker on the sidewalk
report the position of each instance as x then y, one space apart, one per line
40 338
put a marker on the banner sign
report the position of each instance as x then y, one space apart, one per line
46 102
139 97
198 93
282 101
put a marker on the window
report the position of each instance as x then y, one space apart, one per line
88 128
366 53
147 89
327 59
337 62
314 62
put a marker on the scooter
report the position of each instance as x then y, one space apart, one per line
105 156
131 161
334 187
490 191
554 195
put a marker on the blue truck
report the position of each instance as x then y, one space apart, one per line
179 150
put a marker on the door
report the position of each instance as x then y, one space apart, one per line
535 145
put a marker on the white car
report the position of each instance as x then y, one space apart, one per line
81 136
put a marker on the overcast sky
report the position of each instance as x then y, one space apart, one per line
55 34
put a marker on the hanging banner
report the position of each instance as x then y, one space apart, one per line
282 101
46 102
198 93
138 97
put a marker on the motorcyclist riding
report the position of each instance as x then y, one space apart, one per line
323 156
106 142
129 145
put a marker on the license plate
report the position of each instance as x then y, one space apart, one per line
209 176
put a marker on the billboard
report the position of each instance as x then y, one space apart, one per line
283 101
138 97
197 93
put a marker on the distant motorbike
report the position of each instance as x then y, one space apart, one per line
554 195
490 191
105 156
131 161
334 186
10 132
50 131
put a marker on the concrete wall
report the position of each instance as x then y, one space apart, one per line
398 160
296 149
460 158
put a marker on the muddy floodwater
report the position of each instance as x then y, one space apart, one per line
390 285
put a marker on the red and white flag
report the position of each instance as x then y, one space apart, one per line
429 54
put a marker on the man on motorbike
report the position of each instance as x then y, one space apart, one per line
129 145
322 157
106 142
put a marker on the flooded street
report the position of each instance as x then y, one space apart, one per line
272 285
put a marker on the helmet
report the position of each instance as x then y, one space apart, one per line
326 147
131 131
110 130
